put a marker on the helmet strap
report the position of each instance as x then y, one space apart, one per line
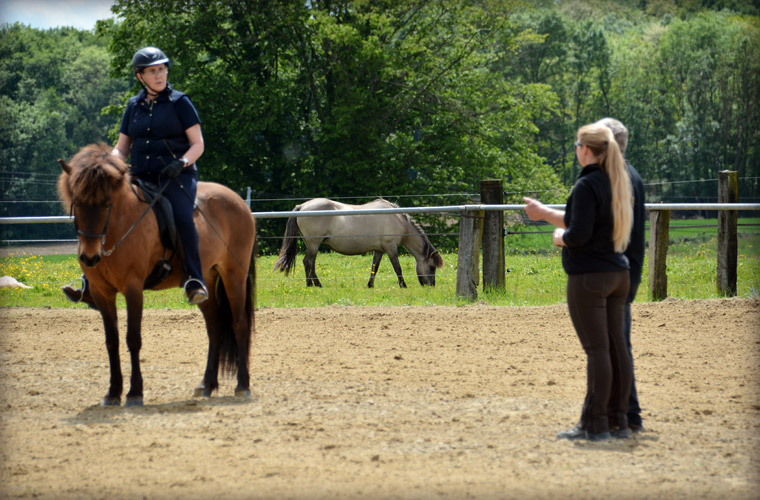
149 89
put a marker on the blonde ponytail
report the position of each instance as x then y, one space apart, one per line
622 197
602 142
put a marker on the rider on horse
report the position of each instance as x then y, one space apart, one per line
161 133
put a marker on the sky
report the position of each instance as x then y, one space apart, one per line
44 14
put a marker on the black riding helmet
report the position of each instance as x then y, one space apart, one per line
148 56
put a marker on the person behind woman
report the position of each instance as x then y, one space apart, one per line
161 134
594 231
635 254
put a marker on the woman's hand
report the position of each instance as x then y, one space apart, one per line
173 169
534 209
557 238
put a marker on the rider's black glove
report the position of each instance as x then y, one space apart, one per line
173 169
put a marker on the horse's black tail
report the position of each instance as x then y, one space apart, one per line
289 249
251 292
230 347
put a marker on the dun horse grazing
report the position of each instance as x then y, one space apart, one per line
119 245
358 234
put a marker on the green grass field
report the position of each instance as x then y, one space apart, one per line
534 276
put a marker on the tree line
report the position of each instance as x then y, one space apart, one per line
354 99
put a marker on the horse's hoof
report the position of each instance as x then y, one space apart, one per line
202 392
134 401
242 392
111 401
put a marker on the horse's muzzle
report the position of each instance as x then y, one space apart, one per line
428 280
89 261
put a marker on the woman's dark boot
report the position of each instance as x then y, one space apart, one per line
78 295
576 432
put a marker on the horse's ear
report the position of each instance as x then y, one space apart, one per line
65 166
437 259
113 174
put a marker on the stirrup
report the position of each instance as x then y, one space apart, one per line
79 296
196 295
69 288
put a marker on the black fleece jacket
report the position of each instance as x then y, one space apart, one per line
589 223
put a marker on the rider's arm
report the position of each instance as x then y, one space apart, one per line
195 137
122 146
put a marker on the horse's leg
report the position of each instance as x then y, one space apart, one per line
310 266
393 256
134 299
227 315
377 257
210 310
307 264
108 313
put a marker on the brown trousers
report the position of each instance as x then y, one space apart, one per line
597 310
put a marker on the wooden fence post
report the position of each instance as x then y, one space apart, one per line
492 193
659 230
468 260
728 246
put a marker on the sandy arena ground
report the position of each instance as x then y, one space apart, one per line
366 402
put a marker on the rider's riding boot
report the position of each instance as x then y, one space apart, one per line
195 291
79 295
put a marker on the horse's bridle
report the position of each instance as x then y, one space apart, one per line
102 235
92 236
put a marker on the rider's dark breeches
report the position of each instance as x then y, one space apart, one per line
597 308
183 200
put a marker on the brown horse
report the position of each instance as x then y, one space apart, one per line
358 234
119 245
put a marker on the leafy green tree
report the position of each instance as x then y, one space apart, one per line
53 85
347 98
686 88
358 98
689 93
573 59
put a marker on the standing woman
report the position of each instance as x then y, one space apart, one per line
593 232
161 134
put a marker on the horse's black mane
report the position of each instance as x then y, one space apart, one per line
429 248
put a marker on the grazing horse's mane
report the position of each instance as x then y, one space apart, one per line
428 247
91 176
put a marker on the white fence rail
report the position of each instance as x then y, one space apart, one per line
413 210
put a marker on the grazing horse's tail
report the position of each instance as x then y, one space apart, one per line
230 347
289 249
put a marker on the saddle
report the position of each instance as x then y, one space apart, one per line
167 231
